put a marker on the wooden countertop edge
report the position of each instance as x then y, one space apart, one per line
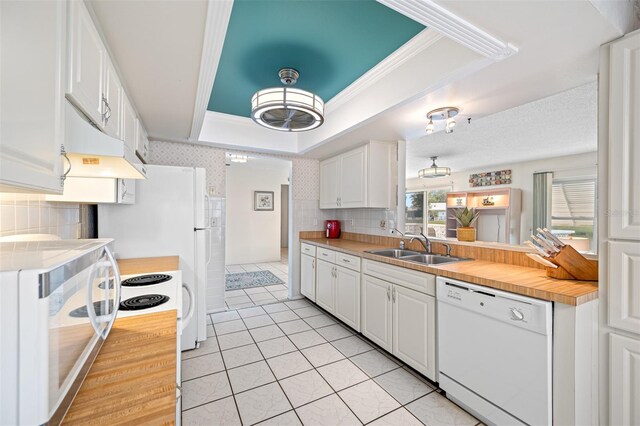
588 289
146 265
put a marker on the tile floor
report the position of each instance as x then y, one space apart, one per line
256 296
289 363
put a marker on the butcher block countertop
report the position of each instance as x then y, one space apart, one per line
133 379
522 280
147 265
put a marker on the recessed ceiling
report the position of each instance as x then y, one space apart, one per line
331 44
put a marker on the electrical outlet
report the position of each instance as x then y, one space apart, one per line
351 222
383 224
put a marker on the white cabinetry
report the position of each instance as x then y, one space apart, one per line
347 299
308 276
113 97
97 191
362 177
129 124
33 58
619 182
398 313
142 143
325 297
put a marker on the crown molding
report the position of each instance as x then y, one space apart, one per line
437 17
417 44
218 14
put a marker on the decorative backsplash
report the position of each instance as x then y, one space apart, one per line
31 214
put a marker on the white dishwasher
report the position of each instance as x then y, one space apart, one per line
495 353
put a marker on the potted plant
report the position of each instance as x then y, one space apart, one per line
466 218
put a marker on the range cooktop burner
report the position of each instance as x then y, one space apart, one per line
81 312
143 302
143 280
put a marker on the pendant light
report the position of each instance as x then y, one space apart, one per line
434 171
285 108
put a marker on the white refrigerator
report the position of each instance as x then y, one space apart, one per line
171 216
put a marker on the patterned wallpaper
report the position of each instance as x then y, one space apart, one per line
305 184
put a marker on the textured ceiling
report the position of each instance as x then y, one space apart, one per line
331 43
562 124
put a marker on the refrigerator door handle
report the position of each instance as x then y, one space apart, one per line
192 305
208 242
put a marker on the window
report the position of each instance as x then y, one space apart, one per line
573 207
434 203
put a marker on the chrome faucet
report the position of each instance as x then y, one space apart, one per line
448 247
426 243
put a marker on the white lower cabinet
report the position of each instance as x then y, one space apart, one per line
624 362
402 321
347 296
325 296
377 311
308 276
414 329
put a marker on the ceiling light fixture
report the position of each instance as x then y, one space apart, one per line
237 158
285 108
434 171
446 113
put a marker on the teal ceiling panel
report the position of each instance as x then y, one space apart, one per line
330 42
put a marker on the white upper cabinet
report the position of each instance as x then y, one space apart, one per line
129 124
113 93
624 139
363 177
329 178
87 60
33 58
142 143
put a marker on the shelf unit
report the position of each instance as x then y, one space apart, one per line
498 222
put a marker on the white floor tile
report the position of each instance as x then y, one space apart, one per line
269 301
234 293
289 364
374 363
342 374
205 389
287 419
262 403
435 409
403 386
400 416
241 305
292 327
219 413
207 347
351 346
284 316
334 332
319 321
276 307
233 340
368 401
251 312
210 331
307 339
258 321
225 316
306 387
250 376
297 304
266 333
328 411
229 327
255 290
275 347
242 355
307 312
322 354
263 298
201 366
237 300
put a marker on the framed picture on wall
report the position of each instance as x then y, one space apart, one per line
263 200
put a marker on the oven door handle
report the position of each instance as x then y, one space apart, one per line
91 310
192 303
118 287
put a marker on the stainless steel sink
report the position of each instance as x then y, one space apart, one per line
432 259
396 253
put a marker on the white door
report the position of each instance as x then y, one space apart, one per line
86 63
325 277
129 124
414 329
329 175
353 178
308 277
377 311
113 98
32 85
348 297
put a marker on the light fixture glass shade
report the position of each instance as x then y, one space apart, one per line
434 171
287 109
430 127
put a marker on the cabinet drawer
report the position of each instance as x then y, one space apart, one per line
328 255
419 281
348 261
308 249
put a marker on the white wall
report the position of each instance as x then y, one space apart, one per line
253 236
580 165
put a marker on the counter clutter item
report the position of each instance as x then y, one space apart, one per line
566 262
521 280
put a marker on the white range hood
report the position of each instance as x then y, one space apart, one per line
95 154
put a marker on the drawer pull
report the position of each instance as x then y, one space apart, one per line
346 260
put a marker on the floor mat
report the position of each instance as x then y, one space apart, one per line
251 279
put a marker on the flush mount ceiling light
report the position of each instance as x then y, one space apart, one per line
237 158
434 171
446 113
285 108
